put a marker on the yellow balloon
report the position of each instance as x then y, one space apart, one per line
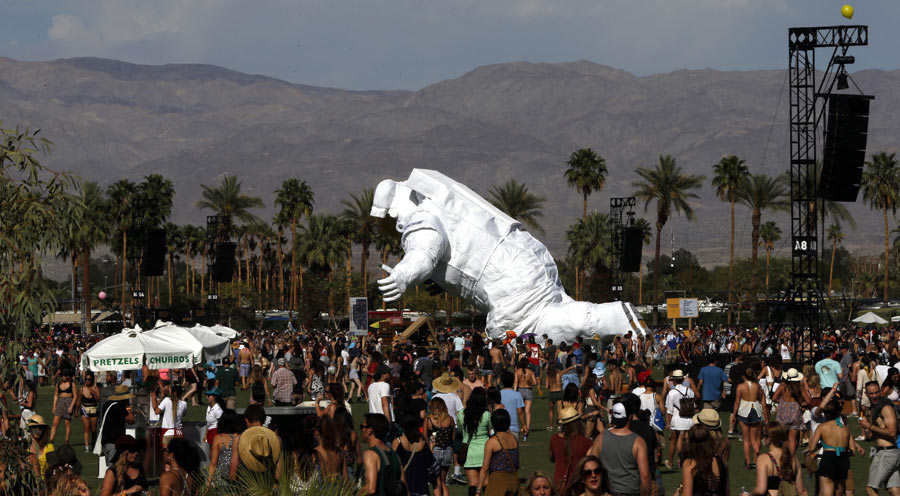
847 11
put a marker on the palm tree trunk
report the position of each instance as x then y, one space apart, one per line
74 281
641 283
124 264
170 279
203 278
754 237
259 277
293 263
384 255
349 270
887 250
768 255
86 289
656 274
831 272
280 268
363 271
731 266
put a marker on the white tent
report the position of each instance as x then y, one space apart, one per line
131 348
214 346
223 331
870 318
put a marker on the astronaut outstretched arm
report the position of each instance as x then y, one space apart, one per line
423 248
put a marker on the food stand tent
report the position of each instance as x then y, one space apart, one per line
131 348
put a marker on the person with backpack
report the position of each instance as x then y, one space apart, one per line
681 405
882 423
384 473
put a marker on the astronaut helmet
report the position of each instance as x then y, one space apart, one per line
393 199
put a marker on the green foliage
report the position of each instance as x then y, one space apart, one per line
32 200
514 199
229 201
586 173
589 239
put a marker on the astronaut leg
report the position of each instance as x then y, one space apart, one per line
567 320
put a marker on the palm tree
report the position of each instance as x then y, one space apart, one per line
92 225
586 173
280 222
759 192
835 235
122 196
295 199
769 234
228 201
880 183
729 173
156 195
670 188
514 199
587 240
646 233
322 243
356 211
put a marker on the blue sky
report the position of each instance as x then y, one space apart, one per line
408 44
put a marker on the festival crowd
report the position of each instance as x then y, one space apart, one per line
458 410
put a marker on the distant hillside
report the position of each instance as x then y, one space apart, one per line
193 123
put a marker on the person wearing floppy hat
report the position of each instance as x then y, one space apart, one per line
567 447
114 416
710 418
40 444
258 449
789 397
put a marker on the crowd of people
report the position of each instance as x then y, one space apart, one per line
458 411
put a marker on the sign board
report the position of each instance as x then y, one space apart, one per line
682 308
359 316
804 245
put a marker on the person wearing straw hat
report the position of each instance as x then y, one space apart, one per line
567 447
114 416
789 397
711 419
39 445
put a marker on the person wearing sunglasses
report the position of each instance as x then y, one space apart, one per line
590 479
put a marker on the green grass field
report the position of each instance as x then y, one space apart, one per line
533 454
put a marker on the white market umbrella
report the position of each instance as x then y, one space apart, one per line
131 348
870 318
225 331
213 346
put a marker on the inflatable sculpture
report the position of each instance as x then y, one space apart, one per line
471 249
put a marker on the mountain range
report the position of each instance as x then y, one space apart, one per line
194 123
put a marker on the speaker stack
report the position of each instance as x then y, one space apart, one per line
844 155
633 243
154 260
223 264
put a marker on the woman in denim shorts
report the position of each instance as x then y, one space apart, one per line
440 428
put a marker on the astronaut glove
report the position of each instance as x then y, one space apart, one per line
392 287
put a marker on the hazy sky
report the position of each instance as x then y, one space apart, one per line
408 44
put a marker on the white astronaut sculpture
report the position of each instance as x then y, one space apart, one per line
471 249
